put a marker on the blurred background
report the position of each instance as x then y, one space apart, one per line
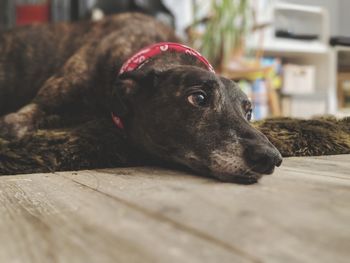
291 57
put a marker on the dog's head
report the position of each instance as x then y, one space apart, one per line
193 117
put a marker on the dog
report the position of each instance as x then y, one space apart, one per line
172 106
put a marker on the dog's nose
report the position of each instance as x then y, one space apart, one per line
263 159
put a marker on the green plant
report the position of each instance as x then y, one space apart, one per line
225 29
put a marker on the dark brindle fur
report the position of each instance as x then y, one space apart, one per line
70 72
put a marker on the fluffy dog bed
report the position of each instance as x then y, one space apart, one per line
97 144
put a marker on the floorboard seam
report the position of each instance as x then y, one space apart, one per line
177 225
314 173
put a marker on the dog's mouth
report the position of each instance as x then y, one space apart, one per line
248 177
232 164
228 167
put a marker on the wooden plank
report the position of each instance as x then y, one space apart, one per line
300 214
291 216
335 158
332 166
49 218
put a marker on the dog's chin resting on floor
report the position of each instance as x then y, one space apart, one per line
94 144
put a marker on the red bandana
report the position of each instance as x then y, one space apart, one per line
142 57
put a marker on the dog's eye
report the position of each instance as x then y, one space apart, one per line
198 99
248 114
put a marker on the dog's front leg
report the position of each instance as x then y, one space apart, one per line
60 90
19 123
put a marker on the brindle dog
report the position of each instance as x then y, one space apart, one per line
173 108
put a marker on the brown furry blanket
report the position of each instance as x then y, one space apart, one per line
95 144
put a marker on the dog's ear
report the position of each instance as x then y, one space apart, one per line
128 84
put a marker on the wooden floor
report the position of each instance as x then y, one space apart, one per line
299 214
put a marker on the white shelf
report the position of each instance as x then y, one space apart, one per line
293 46
342 48
342 113
300 8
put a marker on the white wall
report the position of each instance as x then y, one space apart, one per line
344 17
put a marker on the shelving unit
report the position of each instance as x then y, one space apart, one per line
335 54
278 15
304 52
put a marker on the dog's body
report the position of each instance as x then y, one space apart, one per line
173 108
59 66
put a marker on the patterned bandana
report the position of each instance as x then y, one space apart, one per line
143 56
